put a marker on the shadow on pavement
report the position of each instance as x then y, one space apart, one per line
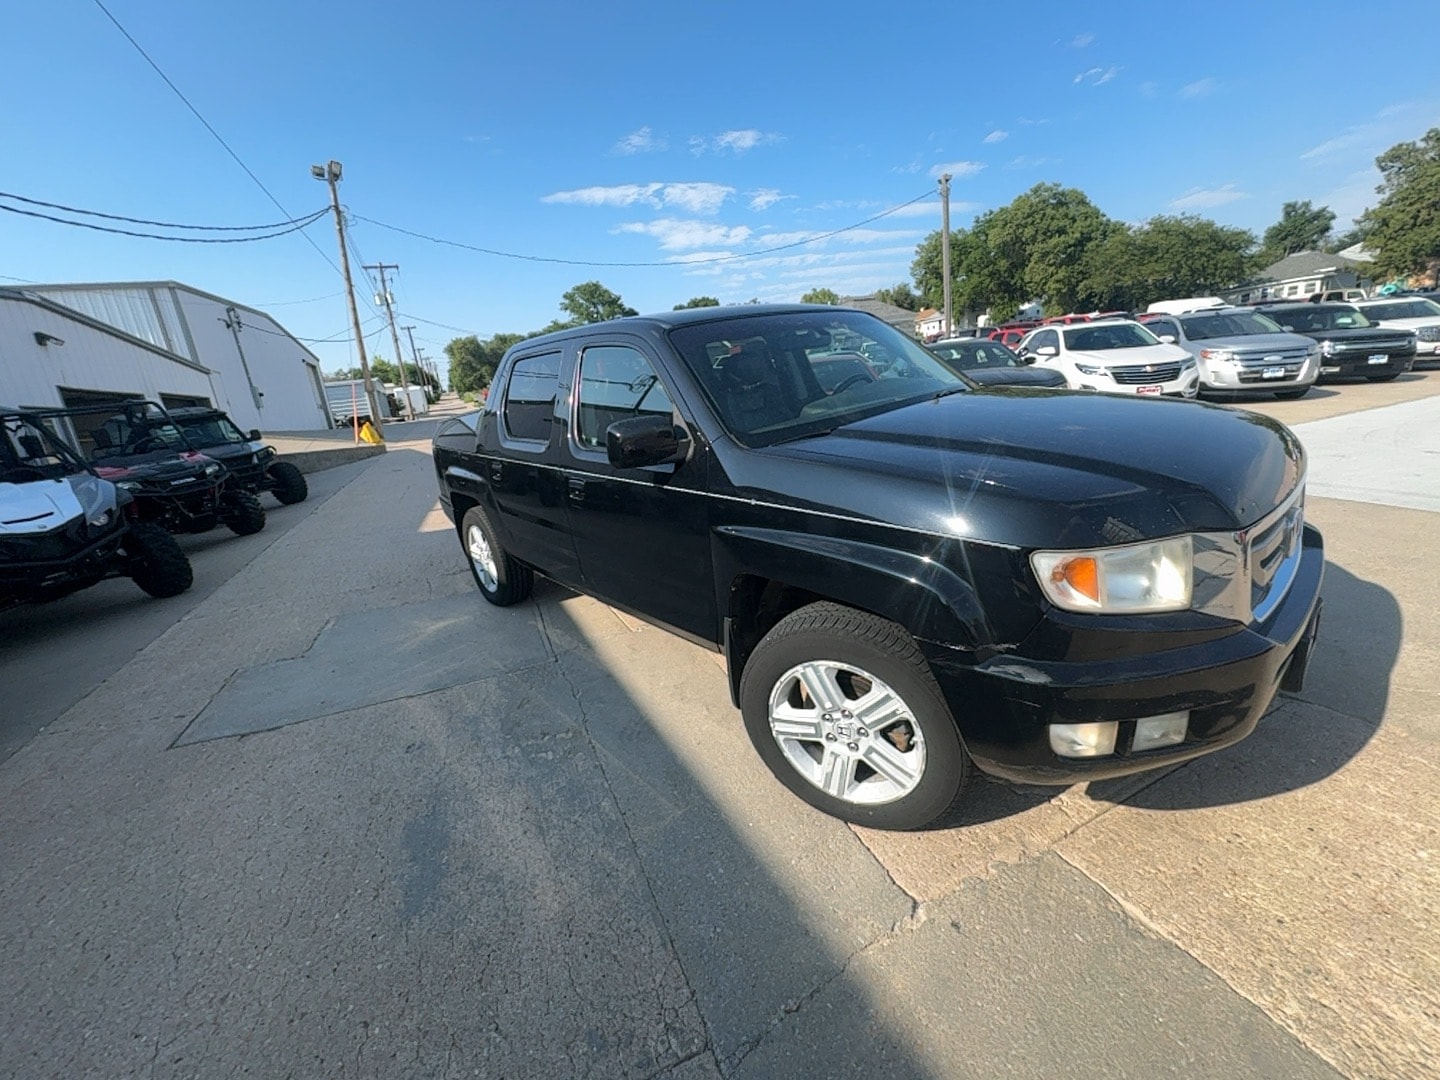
1309 736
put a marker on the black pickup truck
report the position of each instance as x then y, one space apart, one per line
1350 344
909 576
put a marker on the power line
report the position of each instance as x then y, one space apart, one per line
668 263
159 224
301 223
308 239
289 303
432 322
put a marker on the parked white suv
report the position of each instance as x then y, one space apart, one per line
1115 356
1408 313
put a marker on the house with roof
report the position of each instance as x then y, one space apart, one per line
1299 277
897 317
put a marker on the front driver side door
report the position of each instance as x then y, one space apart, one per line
642 535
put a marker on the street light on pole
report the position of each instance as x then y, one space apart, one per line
330 174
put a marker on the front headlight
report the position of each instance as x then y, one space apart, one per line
1149 577
212 470
1327 348
128 485
1090 369
1224 355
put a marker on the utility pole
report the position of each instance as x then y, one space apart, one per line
390 311
233 324
419 371
330 173
945 249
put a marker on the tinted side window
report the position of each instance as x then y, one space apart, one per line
1043 338
530 397
1163 326
616 383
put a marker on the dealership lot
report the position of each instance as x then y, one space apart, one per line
337 816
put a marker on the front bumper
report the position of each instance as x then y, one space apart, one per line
1186 386
1004 705
1240 378
1358 365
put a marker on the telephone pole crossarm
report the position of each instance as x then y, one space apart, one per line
395 337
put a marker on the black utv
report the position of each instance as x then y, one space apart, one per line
142 450
64 528
252 464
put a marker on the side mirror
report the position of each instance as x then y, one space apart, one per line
1047 350
642 441
1167 339
255 434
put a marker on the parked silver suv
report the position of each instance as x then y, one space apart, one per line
1241 350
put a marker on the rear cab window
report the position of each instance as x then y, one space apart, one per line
528 412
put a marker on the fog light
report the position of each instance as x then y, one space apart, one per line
1157 731
1083 740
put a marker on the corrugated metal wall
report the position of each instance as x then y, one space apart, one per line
90 359
268 380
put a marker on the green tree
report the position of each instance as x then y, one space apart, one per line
1165 258
591 302
1302 227
698 301
821 296
1404 228
901 295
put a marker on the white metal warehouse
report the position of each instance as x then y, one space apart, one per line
163 340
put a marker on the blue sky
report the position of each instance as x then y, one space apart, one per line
661 133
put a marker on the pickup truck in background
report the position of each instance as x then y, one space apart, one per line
910 576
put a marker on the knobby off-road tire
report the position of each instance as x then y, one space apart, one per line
290 486
842 707
155 560
242 513
502 580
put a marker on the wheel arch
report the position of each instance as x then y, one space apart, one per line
924 595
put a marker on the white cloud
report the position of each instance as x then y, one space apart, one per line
476 138
996 136
736 141
697 198
1358 145
1079 41
1149 88
1208 198
764 198
957 169
1199 88
1096 76
914 167
1025 161
674 234
640 141
1029 122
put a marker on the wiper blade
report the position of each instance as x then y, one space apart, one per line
947 392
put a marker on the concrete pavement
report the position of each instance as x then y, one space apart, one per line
558 855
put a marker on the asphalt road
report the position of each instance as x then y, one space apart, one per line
341 818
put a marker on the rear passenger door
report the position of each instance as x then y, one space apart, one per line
642 535
522 470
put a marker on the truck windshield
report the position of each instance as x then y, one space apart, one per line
777 377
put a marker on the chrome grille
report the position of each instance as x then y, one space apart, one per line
1371 346
1273 553
1146 375
1273 359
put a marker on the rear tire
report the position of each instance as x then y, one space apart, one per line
155 561
242 513
501 578
1291 395
290 486
844 710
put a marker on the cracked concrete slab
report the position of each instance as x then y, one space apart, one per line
367 658
1032 972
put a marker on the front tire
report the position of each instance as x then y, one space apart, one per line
155 560
242 513
502 580
290 486
842 707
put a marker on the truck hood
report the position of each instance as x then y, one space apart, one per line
1256 344
1038 468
